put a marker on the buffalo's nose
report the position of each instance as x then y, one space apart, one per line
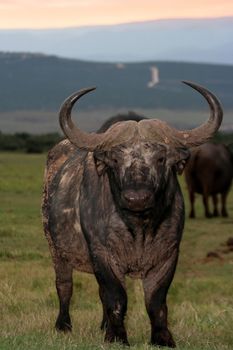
138 200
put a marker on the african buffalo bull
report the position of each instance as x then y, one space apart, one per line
209 172
113 207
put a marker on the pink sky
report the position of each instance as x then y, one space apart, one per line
68 13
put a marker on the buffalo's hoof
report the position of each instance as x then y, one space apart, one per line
63 324
118 340
110 337
163 338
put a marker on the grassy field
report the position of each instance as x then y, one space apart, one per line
200 298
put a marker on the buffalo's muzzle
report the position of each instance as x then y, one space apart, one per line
138 200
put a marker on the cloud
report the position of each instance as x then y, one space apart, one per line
46 3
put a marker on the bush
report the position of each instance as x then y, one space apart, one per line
28 143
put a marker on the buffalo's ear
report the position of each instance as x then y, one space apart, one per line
182 156
101 161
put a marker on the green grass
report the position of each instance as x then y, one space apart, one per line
200 298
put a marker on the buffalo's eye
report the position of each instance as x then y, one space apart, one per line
161 160
115 161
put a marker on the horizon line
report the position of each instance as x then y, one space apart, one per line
118 23
147 61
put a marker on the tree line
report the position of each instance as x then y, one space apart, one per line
28 143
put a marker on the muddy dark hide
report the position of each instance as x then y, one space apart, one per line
209 172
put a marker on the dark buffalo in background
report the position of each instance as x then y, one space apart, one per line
120 118
113 207
209 172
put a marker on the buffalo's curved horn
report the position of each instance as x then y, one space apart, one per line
91 141
204 132
75 135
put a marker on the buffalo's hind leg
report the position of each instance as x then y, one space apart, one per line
224 207
205 199
215 203
192 202
114 300
64 285
155 298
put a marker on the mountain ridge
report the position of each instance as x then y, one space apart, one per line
184 19
207 40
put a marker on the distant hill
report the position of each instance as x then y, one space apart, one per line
38 82
191 40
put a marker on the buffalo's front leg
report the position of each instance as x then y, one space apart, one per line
64 285
103 325
114 299
155 298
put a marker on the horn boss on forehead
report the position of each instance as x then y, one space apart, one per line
151 130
